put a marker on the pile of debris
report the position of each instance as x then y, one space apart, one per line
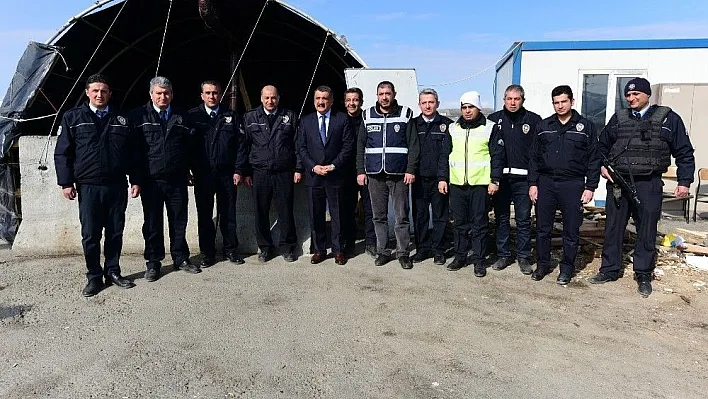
693 246
682 251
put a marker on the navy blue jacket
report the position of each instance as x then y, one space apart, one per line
435 146
164 146
218 147
338 149
517 130
566 152
271 148
673 132
90 150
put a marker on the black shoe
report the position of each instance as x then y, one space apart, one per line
405 262
480 270
93 287
289 257
500 264
120 281
264 256
382 259
644 286
564 278
439 259
318 258
233 257
525 266
456 265
207 262
371 250
188 267
419 257
538 274
153 271
601 278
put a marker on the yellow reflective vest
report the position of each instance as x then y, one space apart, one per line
470 160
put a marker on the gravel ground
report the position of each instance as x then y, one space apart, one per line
297 330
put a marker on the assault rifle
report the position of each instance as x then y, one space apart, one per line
620 184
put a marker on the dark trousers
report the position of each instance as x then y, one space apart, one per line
426 196
516 190
320 197
381 187
156 195
350 203
650 195
278 185
205 188
566 195
102 207
469 209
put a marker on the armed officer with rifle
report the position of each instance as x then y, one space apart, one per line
637 145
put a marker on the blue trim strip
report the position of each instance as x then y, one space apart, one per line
516 73
616 45
508 55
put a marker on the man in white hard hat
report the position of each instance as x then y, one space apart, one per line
476 166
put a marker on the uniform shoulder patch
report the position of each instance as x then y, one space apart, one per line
580 127
121 120
227 119
286 119
526 128
501 142
179 118
397 128
443 127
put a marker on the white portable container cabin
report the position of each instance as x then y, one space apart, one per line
597 71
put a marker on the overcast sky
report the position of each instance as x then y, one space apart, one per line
444 41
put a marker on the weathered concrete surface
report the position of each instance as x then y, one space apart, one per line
50 223
297 330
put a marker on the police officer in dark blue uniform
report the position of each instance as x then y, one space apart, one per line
426 192
165 145
640 142
94 152
564 171
353 101
516 126
218 165
271 132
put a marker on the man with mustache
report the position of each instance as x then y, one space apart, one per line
387 160
641 141
325 145
270 132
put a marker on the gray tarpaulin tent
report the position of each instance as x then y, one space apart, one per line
249 43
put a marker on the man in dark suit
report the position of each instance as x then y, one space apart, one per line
326 147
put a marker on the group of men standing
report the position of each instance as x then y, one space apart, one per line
380 153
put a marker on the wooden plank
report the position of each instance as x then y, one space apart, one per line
698 234
695 249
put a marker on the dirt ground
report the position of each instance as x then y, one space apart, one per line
299 330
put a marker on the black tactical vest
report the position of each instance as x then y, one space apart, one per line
639 149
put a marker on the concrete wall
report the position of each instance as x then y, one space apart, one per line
541 71
50 223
